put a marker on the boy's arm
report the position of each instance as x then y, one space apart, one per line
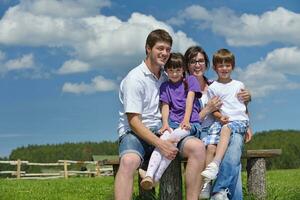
185 124
222 119
165 109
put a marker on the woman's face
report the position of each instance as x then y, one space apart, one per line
197 65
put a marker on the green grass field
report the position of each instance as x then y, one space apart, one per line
281 185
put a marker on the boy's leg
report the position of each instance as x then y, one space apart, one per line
230 165
223 143
210 153
194 150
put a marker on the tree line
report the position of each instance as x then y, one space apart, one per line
287 140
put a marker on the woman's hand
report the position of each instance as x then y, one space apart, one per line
214 104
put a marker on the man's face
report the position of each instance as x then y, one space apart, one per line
159 53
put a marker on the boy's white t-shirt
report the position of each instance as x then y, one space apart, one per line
232 107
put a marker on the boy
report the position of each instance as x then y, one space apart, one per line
232 118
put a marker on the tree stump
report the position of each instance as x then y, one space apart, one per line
171 181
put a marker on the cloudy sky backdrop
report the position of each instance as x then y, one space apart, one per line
61 61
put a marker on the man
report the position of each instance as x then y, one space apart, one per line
140 119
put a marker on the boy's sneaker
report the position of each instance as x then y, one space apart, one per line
147 183
211 171
205 192
222 195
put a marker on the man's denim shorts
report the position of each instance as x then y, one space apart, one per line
131 143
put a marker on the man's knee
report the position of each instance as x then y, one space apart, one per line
129 163
194 147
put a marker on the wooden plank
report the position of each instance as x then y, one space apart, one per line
263 153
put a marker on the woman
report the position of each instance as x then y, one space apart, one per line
197 64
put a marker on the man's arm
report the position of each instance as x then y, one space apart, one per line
166 147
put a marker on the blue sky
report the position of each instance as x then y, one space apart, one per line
61 61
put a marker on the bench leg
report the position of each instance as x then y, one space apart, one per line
171 182
256 177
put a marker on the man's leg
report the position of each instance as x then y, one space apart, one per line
194 150
124 178
230 166
131 151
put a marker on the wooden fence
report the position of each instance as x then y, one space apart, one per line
99 169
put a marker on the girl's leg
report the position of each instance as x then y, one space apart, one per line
177 134
154 163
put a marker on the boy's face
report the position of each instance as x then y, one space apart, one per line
159 53
175 74
223 70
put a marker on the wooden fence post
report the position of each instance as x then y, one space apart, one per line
19 169
97 168
65 169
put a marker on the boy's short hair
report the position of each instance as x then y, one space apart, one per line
158 35
223 55
176 60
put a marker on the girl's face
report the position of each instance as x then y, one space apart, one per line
197 65
175 74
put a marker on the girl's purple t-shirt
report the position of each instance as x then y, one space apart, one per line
175 95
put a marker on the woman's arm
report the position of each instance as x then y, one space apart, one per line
211 106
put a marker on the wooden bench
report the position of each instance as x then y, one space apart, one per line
171 181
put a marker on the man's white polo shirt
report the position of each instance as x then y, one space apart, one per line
139 93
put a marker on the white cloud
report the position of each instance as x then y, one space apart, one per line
98 84
24 62
64 8
2 55
97 39
280 25
271 73
73 66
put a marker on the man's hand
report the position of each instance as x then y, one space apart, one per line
167 148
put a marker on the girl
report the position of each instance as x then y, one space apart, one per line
180 111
